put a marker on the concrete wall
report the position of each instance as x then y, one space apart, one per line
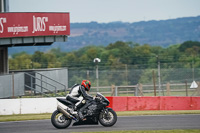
48 105
27 105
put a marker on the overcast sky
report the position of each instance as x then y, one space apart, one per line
104 11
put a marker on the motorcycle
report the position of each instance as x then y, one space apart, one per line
96 112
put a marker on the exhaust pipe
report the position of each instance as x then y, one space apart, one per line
65 113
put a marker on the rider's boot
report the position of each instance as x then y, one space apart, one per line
76 107
80 115
72 111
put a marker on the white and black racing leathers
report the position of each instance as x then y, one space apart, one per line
77 95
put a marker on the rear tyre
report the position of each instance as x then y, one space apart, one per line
59 121
108 119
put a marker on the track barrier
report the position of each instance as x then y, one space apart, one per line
118 103
154 103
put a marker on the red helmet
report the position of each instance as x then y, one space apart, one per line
86 84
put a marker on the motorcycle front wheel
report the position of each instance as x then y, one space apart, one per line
108 118
59 121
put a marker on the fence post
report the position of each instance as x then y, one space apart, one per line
140 89
168 89
112 90
186 89
13 85
136 90
41 85
65 90
88 72
154 82
198 89
55 91
116 90
31 85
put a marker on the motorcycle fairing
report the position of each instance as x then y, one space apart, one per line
65 102
88 121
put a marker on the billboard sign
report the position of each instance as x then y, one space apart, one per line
34 24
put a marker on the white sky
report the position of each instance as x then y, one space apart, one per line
104 11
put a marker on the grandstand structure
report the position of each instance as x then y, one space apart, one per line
29 29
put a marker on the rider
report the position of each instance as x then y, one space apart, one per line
78 94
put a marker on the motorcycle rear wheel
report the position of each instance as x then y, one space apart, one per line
108 119
59 121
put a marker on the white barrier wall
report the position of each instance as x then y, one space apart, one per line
27 106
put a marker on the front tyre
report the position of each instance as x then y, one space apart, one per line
108 118
59 121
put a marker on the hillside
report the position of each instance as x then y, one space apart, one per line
162 33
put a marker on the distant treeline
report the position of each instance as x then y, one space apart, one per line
115 55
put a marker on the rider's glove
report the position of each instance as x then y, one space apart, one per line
97 99
94 98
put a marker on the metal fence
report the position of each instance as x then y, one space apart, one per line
173 81
121 81
11 85
132 76
55 79
34 83
182 89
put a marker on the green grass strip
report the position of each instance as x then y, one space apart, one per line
151 131
22 117
157 112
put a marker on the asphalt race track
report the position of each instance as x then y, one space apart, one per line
156 122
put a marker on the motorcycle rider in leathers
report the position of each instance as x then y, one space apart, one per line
78 94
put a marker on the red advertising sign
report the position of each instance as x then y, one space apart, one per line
34 24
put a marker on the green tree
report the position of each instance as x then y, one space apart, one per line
20 61
70 59
188 44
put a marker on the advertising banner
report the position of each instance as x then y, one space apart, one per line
34 24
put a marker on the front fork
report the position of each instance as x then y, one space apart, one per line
105 112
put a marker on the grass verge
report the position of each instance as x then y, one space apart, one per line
151 131
157 112
22 117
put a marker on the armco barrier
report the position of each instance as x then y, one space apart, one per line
154 103
48 105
